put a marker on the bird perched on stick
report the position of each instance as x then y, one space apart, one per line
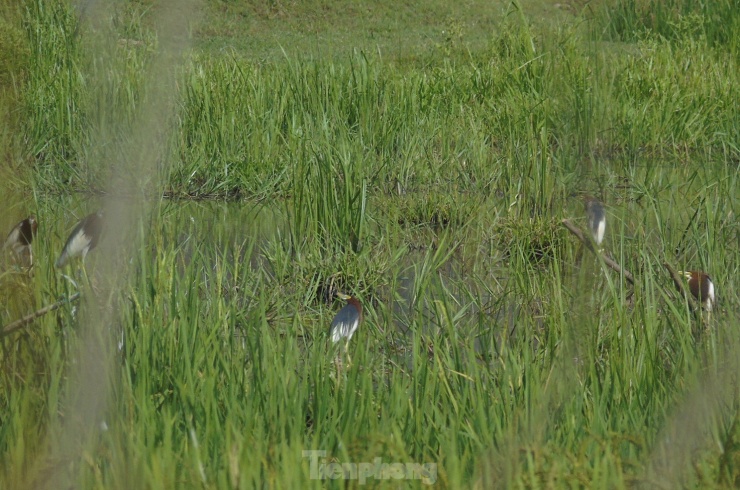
596 219
701 287
20 238
83 239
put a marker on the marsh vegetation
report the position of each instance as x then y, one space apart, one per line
421 158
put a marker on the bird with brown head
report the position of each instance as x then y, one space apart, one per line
701 287
83 239
347 320
21 237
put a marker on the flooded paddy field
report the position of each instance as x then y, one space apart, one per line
243 189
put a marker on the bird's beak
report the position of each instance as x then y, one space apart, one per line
343 296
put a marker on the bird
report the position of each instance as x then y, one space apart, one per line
596 219
84 237
347 320
701 287
20 238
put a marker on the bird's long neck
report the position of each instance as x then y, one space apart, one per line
356 304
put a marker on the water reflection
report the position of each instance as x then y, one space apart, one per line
225 247
241 233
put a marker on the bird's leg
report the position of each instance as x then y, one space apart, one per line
338 365
83 272
346 351
90 281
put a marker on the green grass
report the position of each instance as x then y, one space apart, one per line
420 157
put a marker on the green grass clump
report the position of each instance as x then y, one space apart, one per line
716 23
70 80
427 174
14 56
55 83
534 240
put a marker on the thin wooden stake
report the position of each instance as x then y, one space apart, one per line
607 260
18 324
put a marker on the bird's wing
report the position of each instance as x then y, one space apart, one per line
345 321
76 242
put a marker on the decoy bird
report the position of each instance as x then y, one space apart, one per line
84 237
20 238
701 287
596 219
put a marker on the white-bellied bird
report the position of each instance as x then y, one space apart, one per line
84 237
21 237
596 219
347 320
